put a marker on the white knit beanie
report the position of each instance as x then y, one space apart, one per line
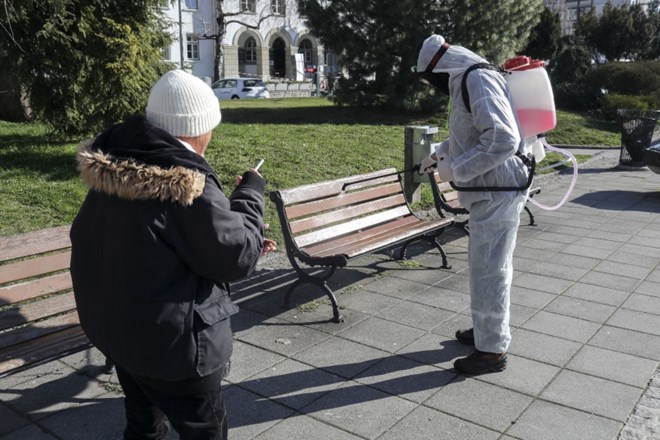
183 105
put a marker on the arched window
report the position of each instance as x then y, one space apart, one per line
251 50
305 48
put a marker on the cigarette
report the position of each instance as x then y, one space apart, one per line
258 165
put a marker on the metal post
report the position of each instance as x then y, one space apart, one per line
180 36
418 143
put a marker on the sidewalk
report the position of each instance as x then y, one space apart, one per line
585 318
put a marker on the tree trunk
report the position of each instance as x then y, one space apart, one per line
14 106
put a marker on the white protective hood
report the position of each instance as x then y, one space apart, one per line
481 144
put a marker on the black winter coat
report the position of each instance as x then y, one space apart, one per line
154 246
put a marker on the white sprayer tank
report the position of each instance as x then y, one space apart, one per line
531 93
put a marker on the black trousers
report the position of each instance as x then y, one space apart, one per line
195 408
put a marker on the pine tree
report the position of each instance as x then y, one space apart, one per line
378 42
85 64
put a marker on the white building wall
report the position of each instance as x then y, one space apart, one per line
289 27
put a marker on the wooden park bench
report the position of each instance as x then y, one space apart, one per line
331 222
446 201
38 318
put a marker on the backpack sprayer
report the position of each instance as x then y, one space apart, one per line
533 103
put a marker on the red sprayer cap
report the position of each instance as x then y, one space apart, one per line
522 62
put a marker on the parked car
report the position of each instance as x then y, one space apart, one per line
240 88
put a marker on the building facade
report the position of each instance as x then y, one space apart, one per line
264 38
570 10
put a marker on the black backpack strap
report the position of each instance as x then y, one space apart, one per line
464 90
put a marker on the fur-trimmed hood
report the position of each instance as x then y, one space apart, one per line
137 161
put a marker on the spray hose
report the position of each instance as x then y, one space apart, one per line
570 158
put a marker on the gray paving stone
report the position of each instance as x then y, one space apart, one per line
592 394
62 388
359 409
611 281
549 421
384 335
649 288
620 256
415 315
426 275
530 253
11 421
299 427
598 294
405 378
555 237
292 383
562 326
575 260
246 321
619 237
534 299
247 360
546 245
587 251
540 347
522 375
102 418
457 283
366 301
627 341
581 309
557 269
342 357
630 227
426 423
395 287
443 298
284 337
654 276
543 283
436 350
30 432
631 270
620 367
467 398
634 320
519 314
250 414
639 249
457 322
643 303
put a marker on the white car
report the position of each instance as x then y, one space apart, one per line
240 88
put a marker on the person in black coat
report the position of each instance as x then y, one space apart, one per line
154 248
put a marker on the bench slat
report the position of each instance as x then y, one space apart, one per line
328 247
369 242
332 187
346 213
32 243
50 347
38 329
32 289
34 267
344 199
37 310
351 226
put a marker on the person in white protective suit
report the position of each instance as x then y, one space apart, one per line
480 152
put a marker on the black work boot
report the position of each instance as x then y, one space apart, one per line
481 362
465 336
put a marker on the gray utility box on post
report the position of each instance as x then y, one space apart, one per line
418 141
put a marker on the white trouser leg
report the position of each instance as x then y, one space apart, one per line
493 230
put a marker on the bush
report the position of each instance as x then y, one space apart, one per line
640 78
613 101
576 96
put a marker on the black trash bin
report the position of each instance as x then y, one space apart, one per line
636 128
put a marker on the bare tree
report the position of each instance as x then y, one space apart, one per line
236 13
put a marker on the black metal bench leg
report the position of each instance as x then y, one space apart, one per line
445 262
321 282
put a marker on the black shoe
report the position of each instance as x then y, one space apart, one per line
465 336
481 362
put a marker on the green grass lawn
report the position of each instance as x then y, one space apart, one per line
302 141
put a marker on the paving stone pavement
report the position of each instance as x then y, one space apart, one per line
583 362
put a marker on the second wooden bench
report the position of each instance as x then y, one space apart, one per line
328 223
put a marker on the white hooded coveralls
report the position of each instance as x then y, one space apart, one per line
481 151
